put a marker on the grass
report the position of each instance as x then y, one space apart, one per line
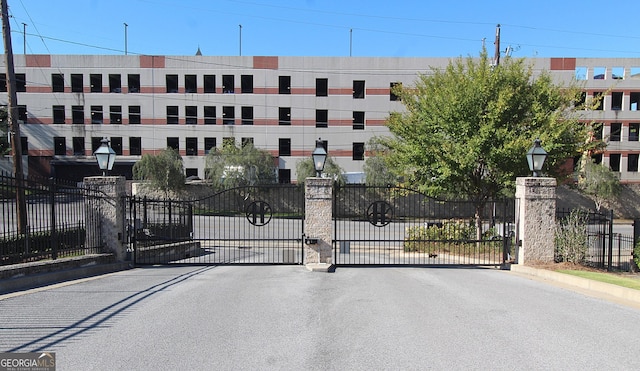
615 279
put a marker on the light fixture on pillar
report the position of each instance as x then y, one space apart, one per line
106 156
536 157
319 156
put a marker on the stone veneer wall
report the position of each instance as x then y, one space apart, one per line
536 219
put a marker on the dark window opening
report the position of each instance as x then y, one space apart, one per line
228 115
358 120
59 146
191 115
322 87
284 176
77 114
209 83
616 128
133 81
172 115
57 82
597 158
21 82
209 145
134 115
22 113
284 147
614 162
246 84
172 83
634 132
115 115
247 115
632 162
209 115
191 146
322 118
78 146
96 115
392 88
228 86
24 143
358 89
246 142
135 146
358 151
616 100
173 142
58 115
634 98
76 83
284 84
116 144
189 172
95 80
115 83
3 82
598 98
581 100
284 116
96 142
190 84
597 130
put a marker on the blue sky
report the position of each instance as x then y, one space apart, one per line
368 28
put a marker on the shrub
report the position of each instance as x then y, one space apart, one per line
571 239
431 238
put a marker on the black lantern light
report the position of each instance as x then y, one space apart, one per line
106 156
319 156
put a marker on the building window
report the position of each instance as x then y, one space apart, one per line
96 115
77 114
616 100
209 83
96 142
21 82
598 98
322 118
134 115
115 83
284 116
246 142
246 84
116 144
614 161
135 146
58 115
59 146
597 158
228 115
76 83
228 84
133 81
247 115
597 130
616 128
191 172
190 84
617 73
22 113
358 151
358 120
322 87
78 146
209 115
3 82
634 98
632 163
24 143
57 82
172 115
284 84
191 146
581 73
172 83
598 73
284 176
173 142
95 80
581 101
209 145
358 89
392 87
191 115
115 115
634 132
284 147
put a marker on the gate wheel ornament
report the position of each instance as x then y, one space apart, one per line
258 213
380 213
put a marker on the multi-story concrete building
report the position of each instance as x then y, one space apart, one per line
143 104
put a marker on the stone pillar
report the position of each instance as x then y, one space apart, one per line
535 219
106 214
318 224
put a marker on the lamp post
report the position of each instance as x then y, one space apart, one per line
536 157
106 156
319 156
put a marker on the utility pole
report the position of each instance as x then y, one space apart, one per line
14 126
125 38
24 38
496 58
240 39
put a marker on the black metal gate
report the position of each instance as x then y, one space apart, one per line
399 226
244 225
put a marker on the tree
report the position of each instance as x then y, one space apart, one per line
467 128
164 171
234 166
375 168
305 169
599 182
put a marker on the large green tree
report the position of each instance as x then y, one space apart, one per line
306 169
164 171
467 127
234 166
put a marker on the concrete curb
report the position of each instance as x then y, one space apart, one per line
594 287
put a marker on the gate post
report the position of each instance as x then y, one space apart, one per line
106 217
535 219
318 202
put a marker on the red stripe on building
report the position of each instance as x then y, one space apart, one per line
152 61
563 64
377 91
38 60
265 63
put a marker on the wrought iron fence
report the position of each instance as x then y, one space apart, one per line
53 223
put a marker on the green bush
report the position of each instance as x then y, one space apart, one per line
636 255
432 238
571 240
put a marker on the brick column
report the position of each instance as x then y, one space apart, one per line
318 224
536 219
107 215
